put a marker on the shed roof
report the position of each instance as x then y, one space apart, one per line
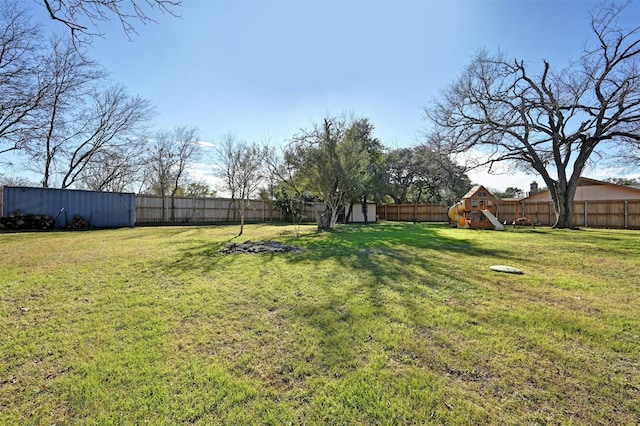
471 192
475 189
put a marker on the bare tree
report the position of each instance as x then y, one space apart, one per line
112 123
54 108
115 171
553 122
83 128
168 159
186 150
240 165
69 78
14 181
627 156
82 17
159 168
21 94
284 186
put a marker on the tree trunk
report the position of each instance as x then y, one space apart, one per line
324 220
333 219
365 210
347 213
563 204
564 215
327 221
163 208
231 207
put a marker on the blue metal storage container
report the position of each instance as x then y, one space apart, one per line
100 209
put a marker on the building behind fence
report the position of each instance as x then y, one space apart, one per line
623 214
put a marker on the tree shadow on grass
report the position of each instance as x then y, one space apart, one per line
419 245
354 246
358 293
401 257
406 274
399 261
409 295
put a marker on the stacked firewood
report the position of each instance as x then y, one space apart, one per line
19 220
78 222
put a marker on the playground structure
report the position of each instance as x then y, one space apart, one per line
457 215
477 210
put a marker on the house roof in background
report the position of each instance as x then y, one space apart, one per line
592 189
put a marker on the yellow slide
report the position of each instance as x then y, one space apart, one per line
455 214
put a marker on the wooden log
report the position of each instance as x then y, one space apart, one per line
19 220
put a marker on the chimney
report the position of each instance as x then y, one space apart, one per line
534 188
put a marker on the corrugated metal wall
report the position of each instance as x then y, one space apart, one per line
100 209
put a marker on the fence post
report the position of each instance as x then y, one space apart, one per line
625 214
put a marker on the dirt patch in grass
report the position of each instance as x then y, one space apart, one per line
259 247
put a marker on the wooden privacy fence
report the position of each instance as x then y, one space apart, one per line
412 212
149 209
623 214
608 214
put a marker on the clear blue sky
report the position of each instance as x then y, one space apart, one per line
267 67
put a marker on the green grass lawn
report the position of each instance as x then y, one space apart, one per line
392 323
